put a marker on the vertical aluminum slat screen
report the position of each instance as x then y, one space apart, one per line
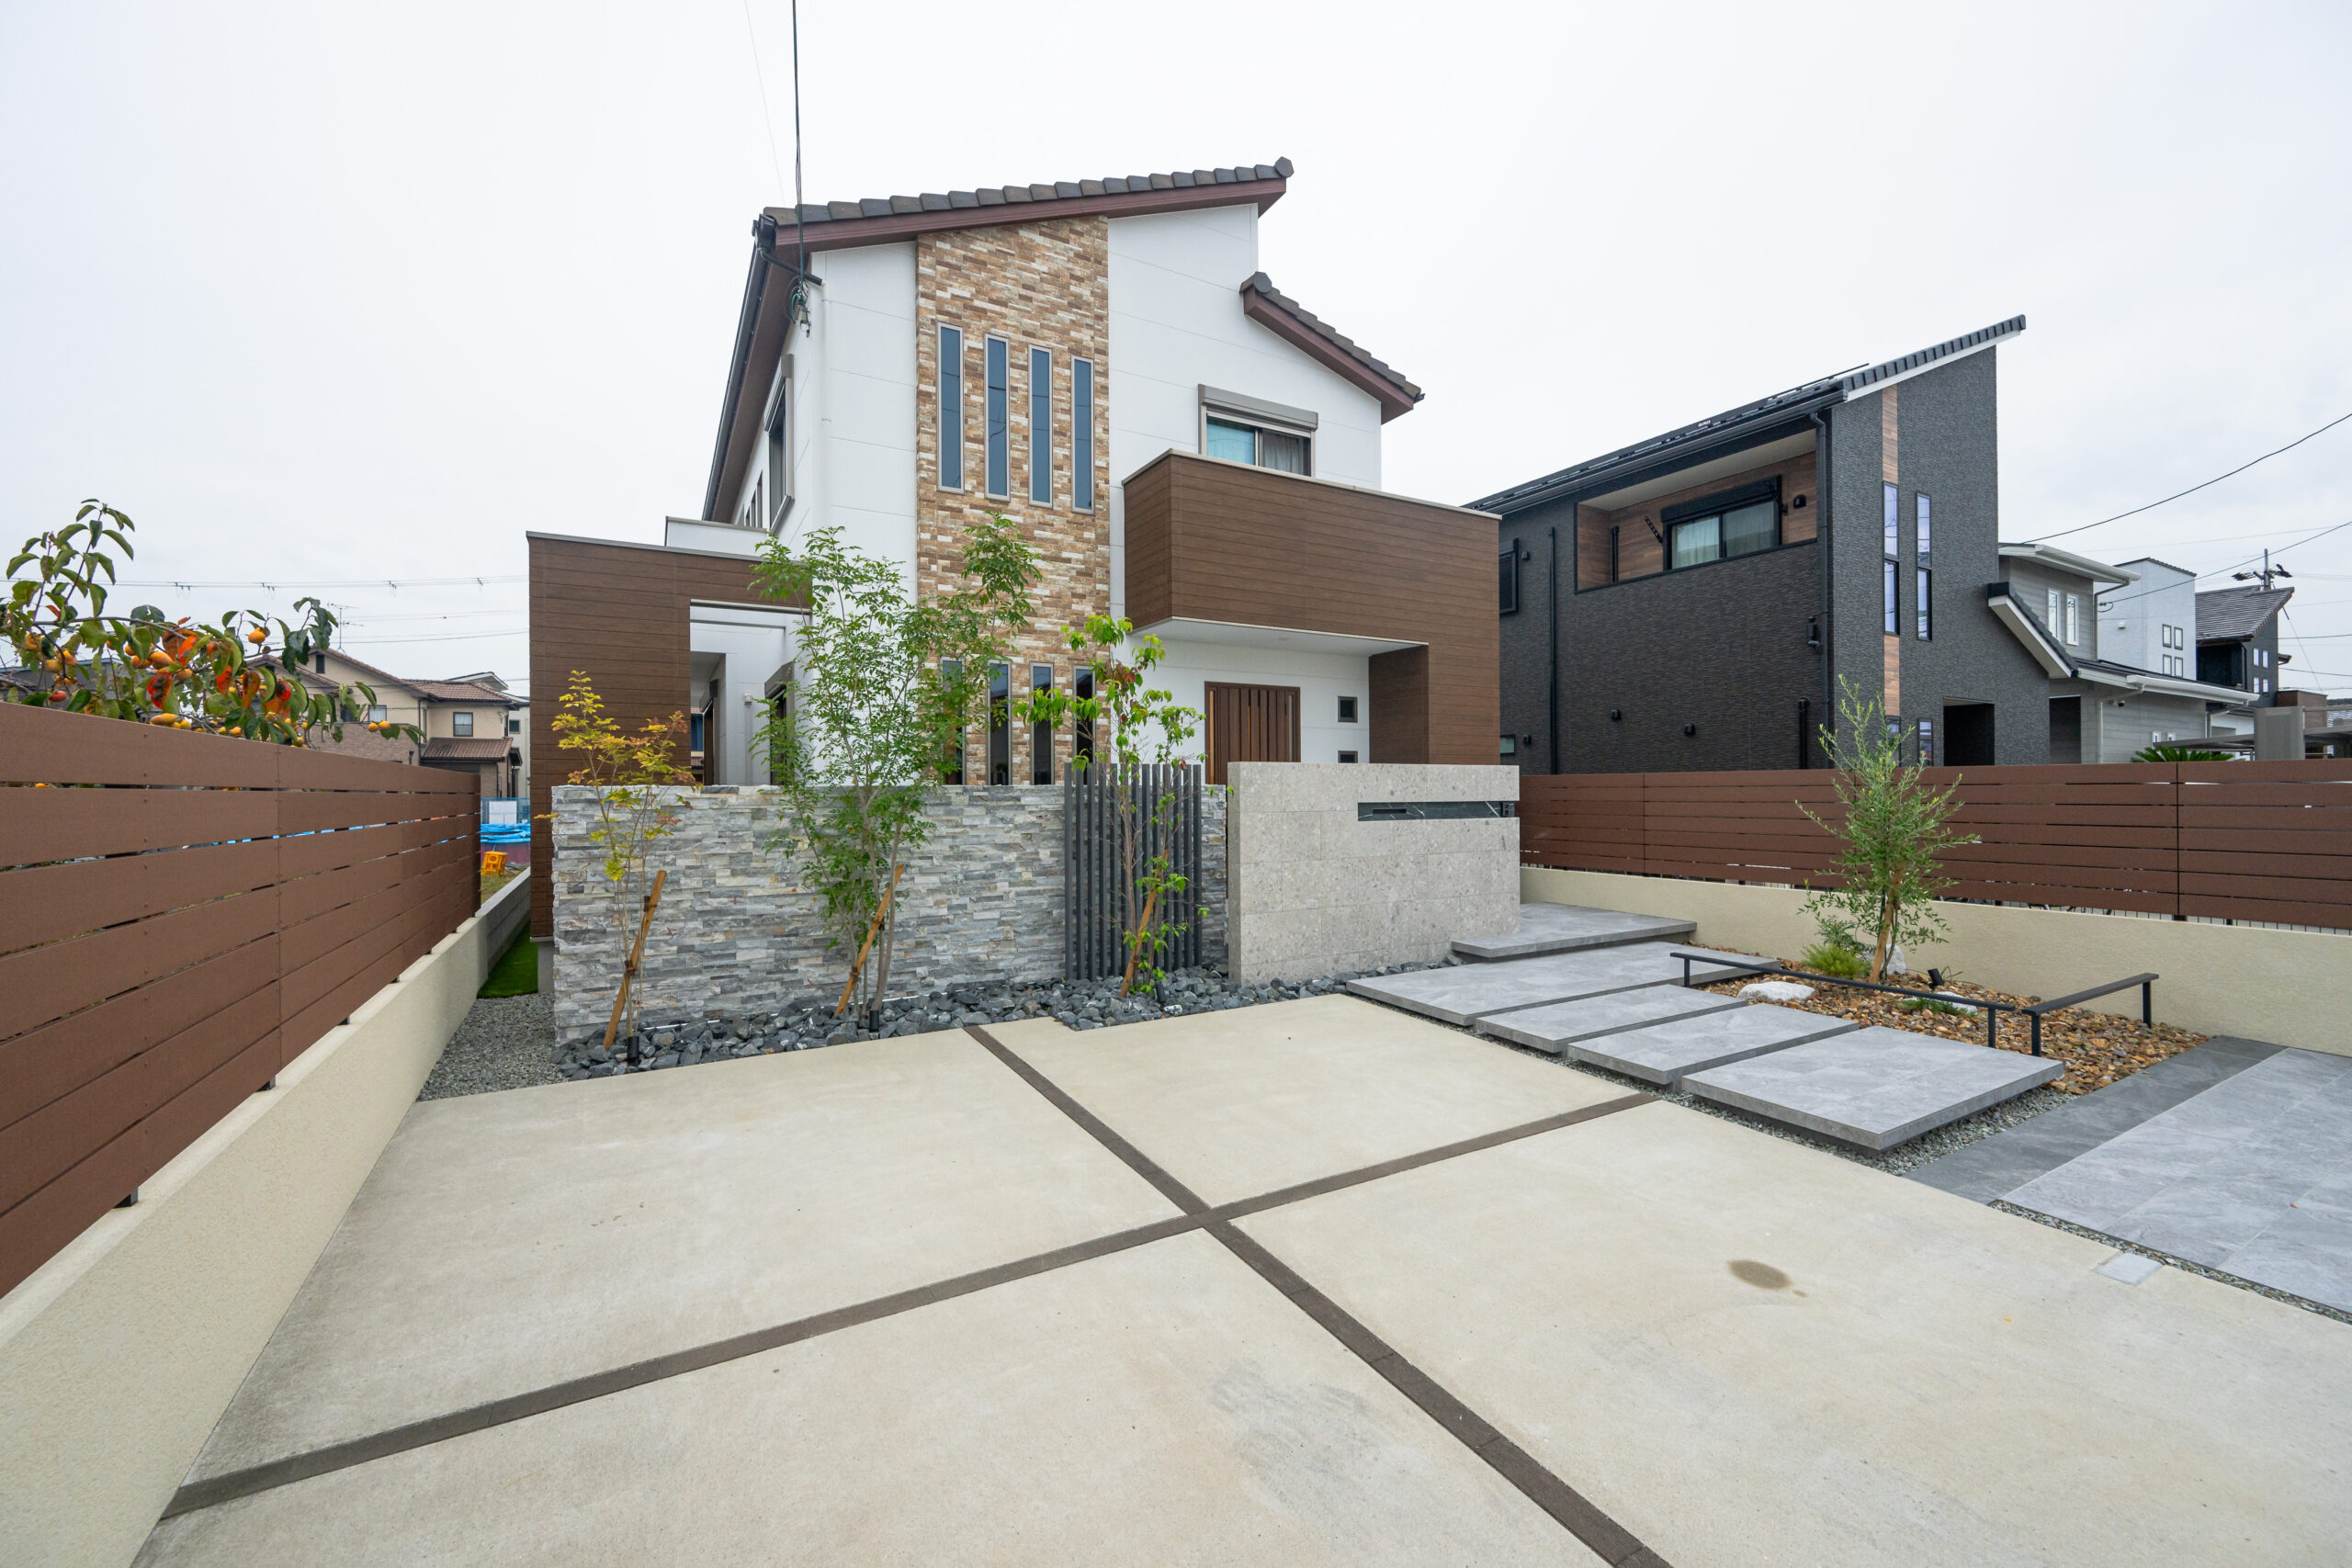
1160 807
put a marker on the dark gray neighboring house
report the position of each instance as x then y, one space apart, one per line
2237 638
1691 601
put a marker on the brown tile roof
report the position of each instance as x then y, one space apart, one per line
460 749
1270 306
832 225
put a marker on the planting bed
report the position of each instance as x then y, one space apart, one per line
2097 1048
1090 1004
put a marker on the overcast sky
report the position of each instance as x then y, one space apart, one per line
326 294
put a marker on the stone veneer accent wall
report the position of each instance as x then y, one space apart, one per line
1314 891
980 902
1035 285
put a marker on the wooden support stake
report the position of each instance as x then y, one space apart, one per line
1134 949
636 953
868 945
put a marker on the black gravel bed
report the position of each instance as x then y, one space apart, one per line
505 1042
809 1022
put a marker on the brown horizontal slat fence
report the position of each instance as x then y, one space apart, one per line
182 915
2270 841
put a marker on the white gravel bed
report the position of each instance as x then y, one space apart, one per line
505 1042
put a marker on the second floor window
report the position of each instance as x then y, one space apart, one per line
1736 531
1041 427
951 409
1260 444
1507 564
1082 433
461 724
1000 370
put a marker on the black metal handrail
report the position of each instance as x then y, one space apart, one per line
2147 984
1992 1009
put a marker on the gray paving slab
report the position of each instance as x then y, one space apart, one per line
1467 992
1561 1024
1873 1087
2252 1175
1565 928
1669 1053
1995 1167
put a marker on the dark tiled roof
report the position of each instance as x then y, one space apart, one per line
1023 196
1263 288
459 692
1800 399
2230 615
460 749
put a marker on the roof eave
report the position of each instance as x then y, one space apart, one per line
891 228
1632 464
1394 398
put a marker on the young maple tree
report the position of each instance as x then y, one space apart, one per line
1143 725
1891 841
629 771
152 669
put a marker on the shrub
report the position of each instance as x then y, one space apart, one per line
2181 754
1834 959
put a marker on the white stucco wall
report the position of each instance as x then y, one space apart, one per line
2128 631
1176 324
755 644
1322 678
853 427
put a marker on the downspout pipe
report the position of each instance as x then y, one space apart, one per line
1822 486
1551 674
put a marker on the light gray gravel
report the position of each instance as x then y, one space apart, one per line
505 1042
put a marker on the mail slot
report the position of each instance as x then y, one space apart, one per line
1428 810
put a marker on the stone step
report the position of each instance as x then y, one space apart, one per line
1875 1087
1559 1025
1669 1053
1465 993
1565 928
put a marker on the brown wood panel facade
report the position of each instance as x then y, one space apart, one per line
181 916
620 614
1217 541
1641 529
2262 842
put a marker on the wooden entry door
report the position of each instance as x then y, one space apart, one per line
1250 724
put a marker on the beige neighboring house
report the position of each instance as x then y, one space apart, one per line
471 723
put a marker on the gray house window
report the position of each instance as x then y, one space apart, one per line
999 453
1041 432
1925 577
1737 523
1892 567
951 410
1082 433
1894 609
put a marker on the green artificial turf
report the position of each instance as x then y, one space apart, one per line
517 973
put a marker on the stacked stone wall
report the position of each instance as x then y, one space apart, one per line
736 932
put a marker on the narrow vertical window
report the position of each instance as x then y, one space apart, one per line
1041 736
1000 458
1041 432
1082 433
1892 566
1613 552
1920 531
1926 742
1081 747
1925 584
999 724
950 412
2052 606
2073 619
951 766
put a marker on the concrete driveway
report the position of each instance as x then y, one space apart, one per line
1316 1283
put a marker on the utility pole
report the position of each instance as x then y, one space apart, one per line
2266 575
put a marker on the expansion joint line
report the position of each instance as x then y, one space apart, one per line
1574 1512
1550 1494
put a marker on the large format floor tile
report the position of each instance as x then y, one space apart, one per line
1748 1351
1563 928
1558 1024
1238 1103
1467 992
1670 1052
1163 1406
1874 1086
2254 1175
505 1242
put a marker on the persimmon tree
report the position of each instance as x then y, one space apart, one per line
1138 725
627 772
884 691
233 676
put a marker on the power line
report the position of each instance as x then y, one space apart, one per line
2109 601
775 159
2193 490
441 637
307 585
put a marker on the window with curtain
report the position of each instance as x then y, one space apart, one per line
1258 445
1745 523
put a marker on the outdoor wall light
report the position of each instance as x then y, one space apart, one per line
1813 633
1797 505
1616 714
1689 729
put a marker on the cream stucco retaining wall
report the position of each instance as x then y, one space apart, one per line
2278 986
118 1354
